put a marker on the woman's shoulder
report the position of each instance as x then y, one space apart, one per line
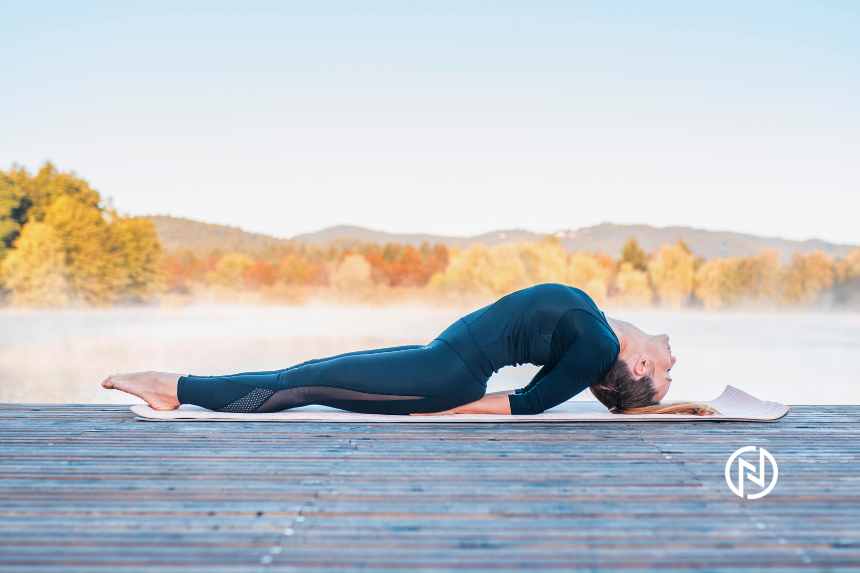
574 295
579 323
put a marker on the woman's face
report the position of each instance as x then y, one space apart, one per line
663 359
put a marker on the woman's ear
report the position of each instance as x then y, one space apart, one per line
642 366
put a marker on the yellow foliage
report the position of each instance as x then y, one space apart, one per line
141 257
730 281
352 274
94 269
49 184
587 272
848 267
544 261
230 271
672 273
35 270
806 276
483 270
634 255
714 285
632 287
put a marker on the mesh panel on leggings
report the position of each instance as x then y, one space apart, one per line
343 398
249 402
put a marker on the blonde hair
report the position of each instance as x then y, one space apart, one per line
623 394
690 408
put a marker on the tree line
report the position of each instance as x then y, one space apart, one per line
62 244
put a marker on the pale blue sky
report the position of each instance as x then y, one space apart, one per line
448 117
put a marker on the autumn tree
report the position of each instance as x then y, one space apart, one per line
182 269
716 283
759 276
586 271
404 265
140 257
672 274
806 277
14 204
35 270
483 270
352 274
545 260
94 264
300 269
632 287
848 267
634 255
229 271
261 274
49 184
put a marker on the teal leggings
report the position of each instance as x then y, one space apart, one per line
394 380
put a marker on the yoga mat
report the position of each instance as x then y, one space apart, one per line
734 405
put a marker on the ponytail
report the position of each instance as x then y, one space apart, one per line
689 408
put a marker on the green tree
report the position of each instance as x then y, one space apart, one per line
35 270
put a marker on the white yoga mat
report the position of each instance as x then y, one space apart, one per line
734 405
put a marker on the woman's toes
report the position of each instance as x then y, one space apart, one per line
107 382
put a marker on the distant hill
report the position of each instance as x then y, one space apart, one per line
610 239
348 233
176 232
606 237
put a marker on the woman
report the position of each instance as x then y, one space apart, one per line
556 326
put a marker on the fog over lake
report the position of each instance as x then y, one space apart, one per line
62 356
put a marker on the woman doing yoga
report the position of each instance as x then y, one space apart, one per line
555 326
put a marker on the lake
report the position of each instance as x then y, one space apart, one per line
62 356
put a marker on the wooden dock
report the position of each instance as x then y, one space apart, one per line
89 488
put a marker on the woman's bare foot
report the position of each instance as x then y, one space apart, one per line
158 389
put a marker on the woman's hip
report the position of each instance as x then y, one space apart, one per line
459 337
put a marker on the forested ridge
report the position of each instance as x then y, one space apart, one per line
63 244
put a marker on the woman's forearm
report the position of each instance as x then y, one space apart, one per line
495 403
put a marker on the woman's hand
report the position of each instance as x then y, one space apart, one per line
490 404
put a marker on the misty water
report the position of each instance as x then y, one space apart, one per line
61 356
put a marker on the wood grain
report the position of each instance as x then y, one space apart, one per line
89 488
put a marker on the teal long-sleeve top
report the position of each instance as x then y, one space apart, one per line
582 349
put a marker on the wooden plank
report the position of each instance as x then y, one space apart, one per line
85 487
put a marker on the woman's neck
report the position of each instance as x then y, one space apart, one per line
625 332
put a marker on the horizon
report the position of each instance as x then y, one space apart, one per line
501 230
454 118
